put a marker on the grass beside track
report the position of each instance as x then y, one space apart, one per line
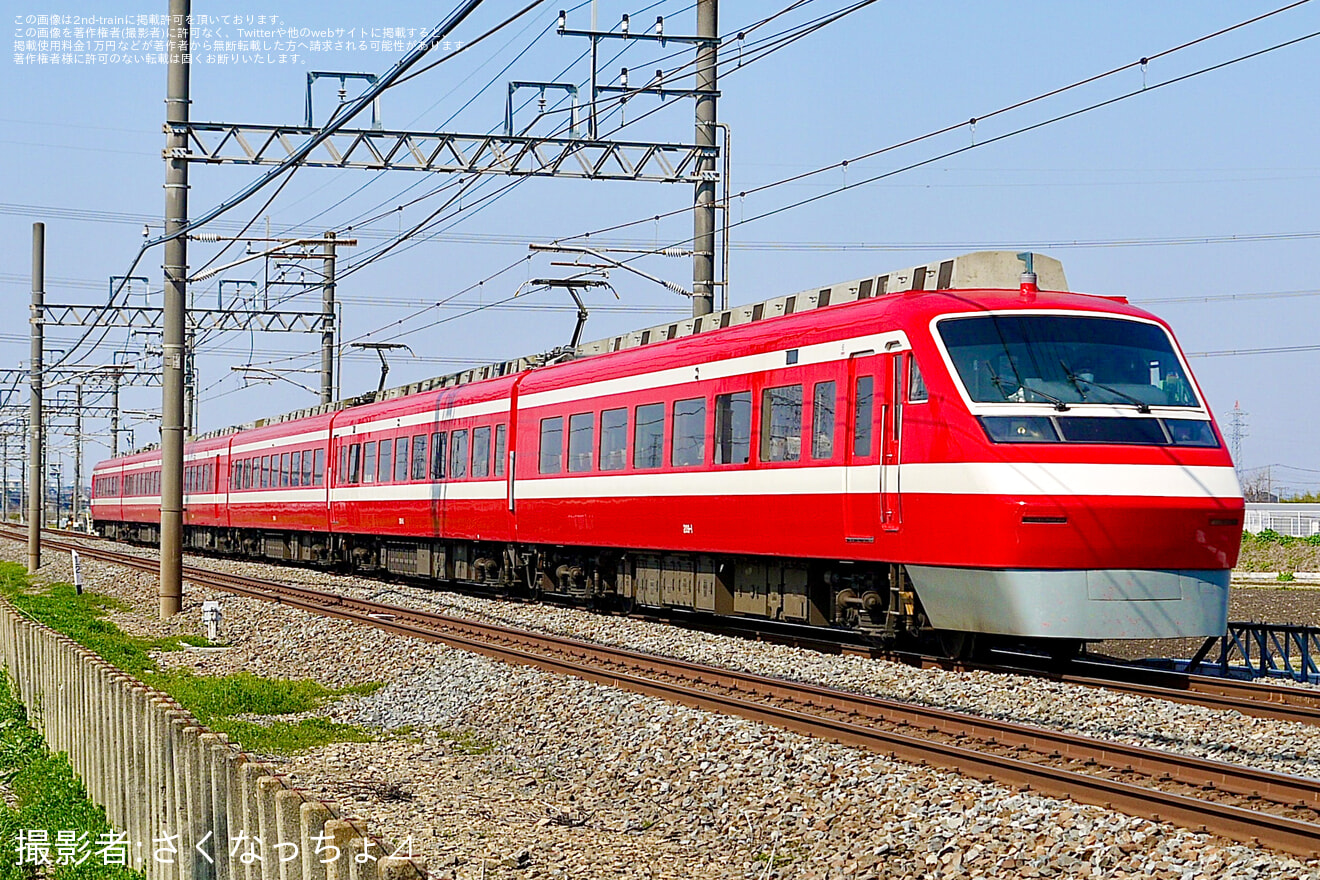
44 795
224 703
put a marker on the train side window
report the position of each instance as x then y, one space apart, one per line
401 460
822 420
187 480
369 462
295 470
501 447
234 471
284 470
355 463
458 455
438 455
613 439
917 392
649 435
481 452
689 446
318 468
419 457
385 462
342 476
733 427
552 445
863 416
781 423
263 472
581 427
307 467
247 474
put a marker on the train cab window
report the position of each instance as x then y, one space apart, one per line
295 470
481 452
501 446
733 427
863 414
458 455
552 445
386 461
307 467
917 392
401 460
649 435
318 468
438 455
581 427
781 423
419 457
822 420
613 439
369 462
355 463
689 444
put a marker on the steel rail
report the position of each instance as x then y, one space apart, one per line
808 710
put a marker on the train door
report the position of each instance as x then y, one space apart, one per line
890 430
861 489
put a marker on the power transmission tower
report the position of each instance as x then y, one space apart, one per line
1237 429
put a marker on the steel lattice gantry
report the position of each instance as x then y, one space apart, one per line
144 317
518 156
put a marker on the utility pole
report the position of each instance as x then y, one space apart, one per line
77 453
114 417
703 214
36 443
328 320
175 311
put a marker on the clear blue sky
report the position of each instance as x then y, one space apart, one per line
1142 198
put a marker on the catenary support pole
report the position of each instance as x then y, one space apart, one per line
77 455
703 214
176 299
328 321
114 417
36 445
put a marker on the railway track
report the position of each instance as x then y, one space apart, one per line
1280 703
1236 802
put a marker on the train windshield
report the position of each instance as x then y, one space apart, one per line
1066 360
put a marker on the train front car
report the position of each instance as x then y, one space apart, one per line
1067 447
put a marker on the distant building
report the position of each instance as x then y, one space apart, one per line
1297 520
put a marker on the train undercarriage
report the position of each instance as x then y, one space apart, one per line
874 599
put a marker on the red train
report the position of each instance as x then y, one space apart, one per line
1004 461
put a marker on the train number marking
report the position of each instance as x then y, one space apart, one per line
687 528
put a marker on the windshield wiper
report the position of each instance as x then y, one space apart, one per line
999 384
1074 378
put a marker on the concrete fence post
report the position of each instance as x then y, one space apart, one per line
267 787
342 835
289 843
214 747
235 813
314 840
366 859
